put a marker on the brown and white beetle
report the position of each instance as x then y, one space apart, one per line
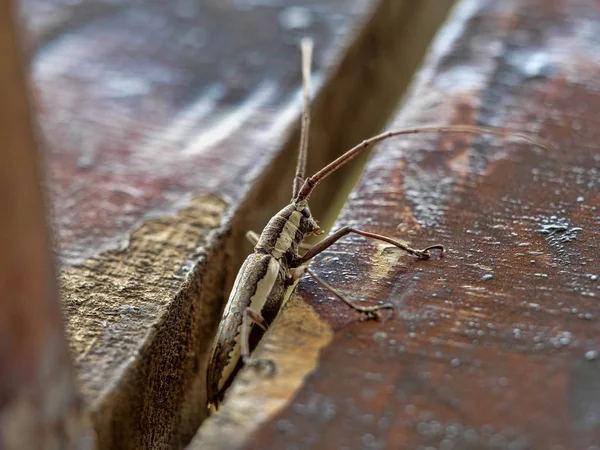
265 276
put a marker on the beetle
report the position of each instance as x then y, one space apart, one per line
276 263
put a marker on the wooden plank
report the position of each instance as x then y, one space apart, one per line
166 129
496 345
39 405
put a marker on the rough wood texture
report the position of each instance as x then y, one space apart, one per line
165 125
496 345
39 405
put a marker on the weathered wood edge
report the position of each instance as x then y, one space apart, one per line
40 405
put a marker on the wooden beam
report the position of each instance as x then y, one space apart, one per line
39 405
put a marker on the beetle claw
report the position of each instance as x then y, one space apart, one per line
372 315
424 254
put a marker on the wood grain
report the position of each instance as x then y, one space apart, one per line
496 345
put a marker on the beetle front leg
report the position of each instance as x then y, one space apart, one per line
250 314
371 311
252 237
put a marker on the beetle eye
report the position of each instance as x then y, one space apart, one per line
306 212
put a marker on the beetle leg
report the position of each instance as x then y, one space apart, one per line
250 314
305 247
296 273
370 311
252 237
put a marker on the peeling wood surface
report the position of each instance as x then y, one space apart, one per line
166 128
40 407
496 345
138 321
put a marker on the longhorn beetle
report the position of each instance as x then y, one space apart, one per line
261 283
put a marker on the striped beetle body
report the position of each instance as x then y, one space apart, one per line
260 285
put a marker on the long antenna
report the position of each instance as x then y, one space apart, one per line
306 47
310 183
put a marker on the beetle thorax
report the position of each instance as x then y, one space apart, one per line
286 230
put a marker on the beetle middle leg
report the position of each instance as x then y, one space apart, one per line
250 314
370 311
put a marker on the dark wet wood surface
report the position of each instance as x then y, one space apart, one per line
496 345
39 404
